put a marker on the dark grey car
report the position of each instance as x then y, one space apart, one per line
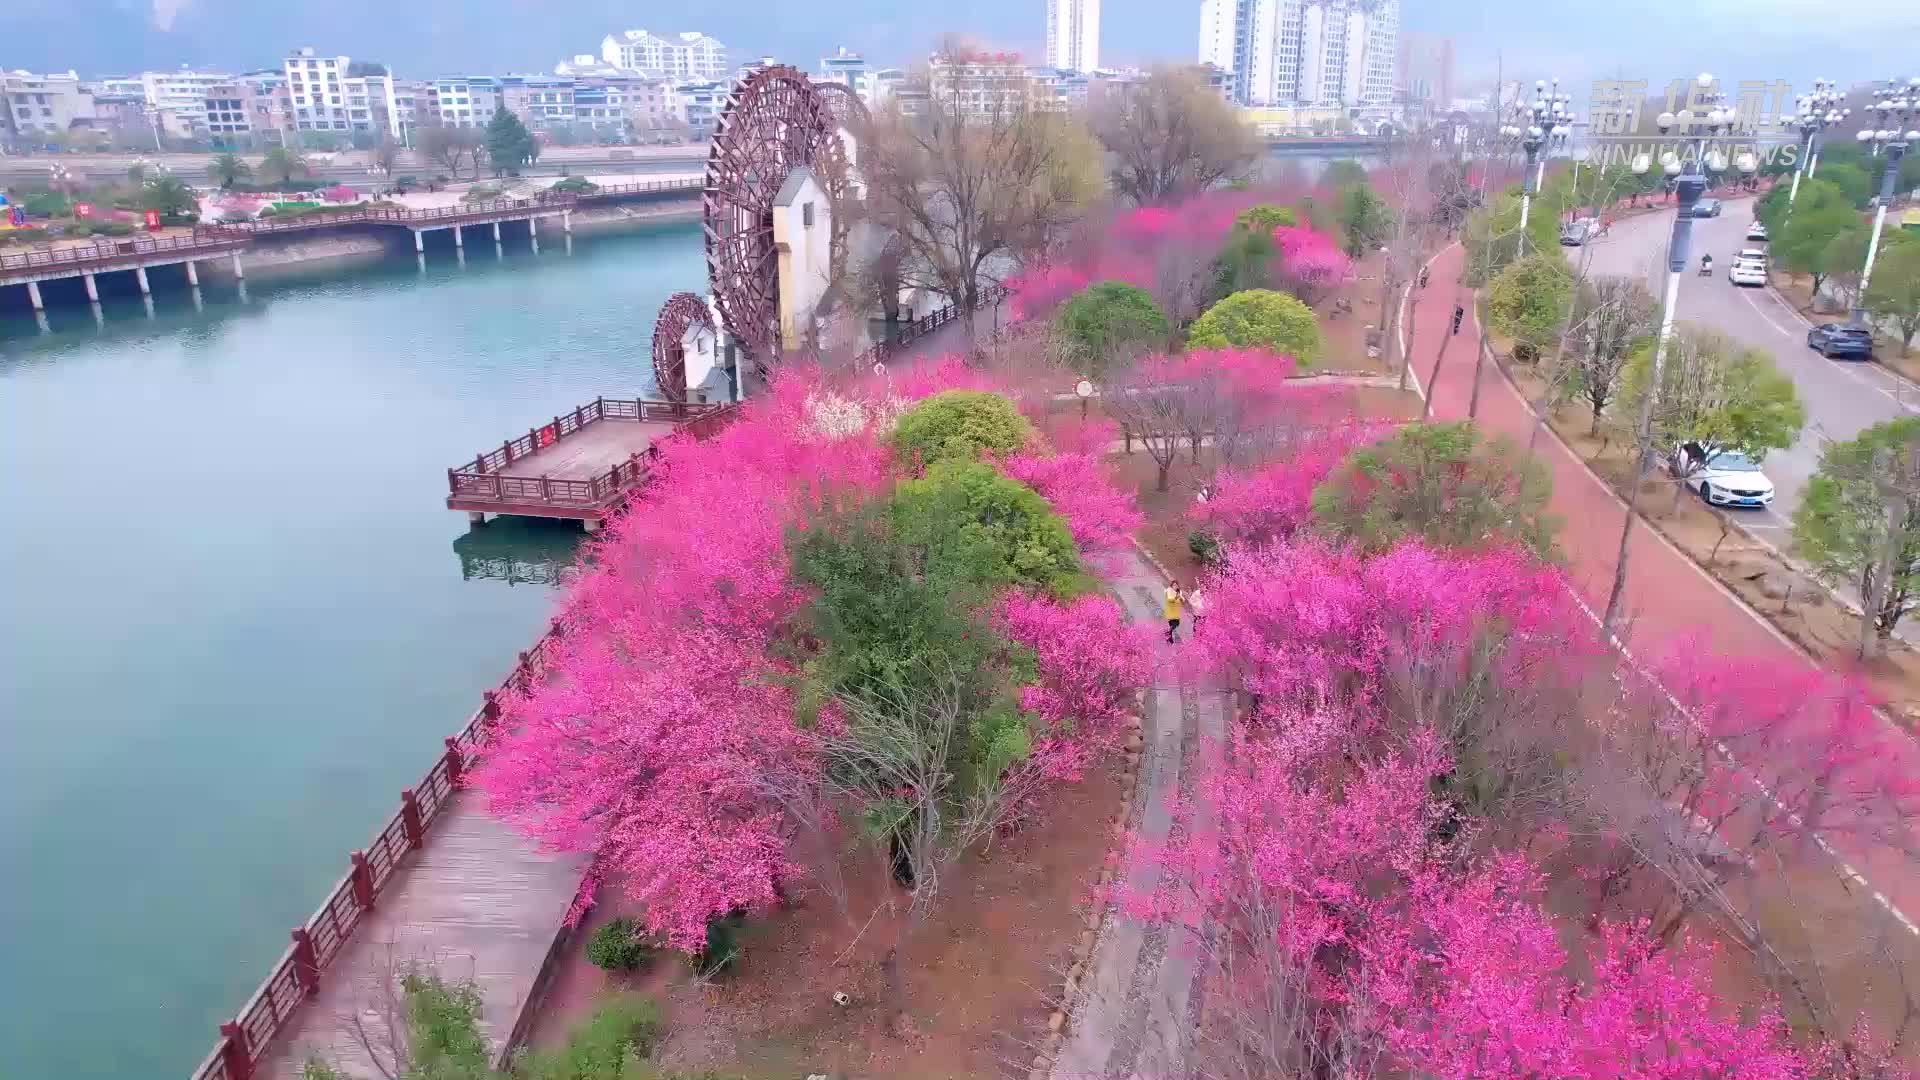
1839 340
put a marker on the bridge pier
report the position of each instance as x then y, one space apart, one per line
99 316
140 275
93 288
458 242
476 517
33 296
239 272
496 233
40 320
566 221
193 274
533 228
419 242
198 303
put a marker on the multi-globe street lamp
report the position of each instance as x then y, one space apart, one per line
1543 125
1710 122
1813 113
1893 117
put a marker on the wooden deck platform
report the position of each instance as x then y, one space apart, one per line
581 466
479 902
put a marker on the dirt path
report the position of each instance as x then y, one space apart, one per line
1132 1017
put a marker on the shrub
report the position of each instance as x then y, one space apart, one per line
611 1044
1260 319
575 185
1205 547
112 228
1265 218
179 219
618 946
722 947
27 235
46 204
1107 317
960 424
481 193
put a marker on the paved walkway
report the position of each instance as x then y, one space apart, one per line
478 901
1133 1016
1668 596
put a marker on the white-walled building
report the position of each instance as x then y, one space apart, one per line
1073 34
179 98
325 95
1304 52
43 104
689 57
464 101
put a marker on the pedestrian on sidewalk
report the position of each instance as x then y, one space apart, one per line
1458 314
1423 277
1171 608
1196 606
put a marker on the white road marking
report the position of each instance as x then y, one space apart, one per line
1764 317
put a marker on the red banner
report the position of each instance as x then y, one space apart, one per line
153 220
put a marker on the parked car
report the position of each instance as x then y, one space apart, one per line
1707 208
1841 341
1575 234
1747 269
1721 477
1757 231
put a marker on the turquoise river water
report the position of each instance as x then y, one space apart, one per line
235 616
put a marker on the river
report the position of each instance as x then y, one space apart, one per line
237 616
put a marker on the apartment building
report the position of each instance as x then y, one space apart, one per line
980 83
328 94
685 57
180 98
464 101
698 105
1304 52
43 104
1073 34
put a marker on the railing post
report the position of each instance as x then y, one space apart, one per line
456 761
490 707
506 450
578 423
453 486
410 821
306 962
546 488
362 881
238 1057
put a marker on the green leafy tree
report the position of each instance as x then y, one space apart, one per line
228 169
1105 320
1894 294
1260 319
1444 483
1717 393
1493 236
1855 185
282 163
510 146
1344 173
1806 241
1364 220
1844 258
169 195
1246 261
960 424
1858 523
1264 217
1527 301
970 525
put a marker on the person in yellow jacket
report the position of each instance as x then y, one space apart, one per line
1171 607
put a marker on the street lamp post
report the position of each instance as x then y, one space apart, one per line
1546 123
1893 113
1814 112
1689 185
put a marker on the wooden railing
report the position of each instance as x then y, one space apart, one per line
924 325
203 239
487 476
296 975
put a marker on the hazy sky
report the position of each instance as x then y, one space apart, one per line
1653 39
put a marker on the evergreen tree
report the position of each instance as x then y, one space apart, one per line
509 144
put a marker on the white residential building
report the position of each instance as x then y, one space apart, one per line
687 57
1304 52
1073 34
48 103
464 101
179 98
698 105
849 69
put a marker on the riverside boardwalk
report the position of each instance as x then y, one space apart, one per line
443 882
579 466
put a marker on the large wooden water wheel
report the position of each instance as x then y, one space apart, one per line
682 310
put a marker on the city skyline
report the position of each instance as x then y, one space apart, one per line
1768 39
1073 34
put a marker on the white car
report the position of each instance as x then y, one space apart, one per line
1745 271
1756 231
1721 477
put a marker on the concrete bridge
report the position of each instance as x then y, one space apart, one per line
230 240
